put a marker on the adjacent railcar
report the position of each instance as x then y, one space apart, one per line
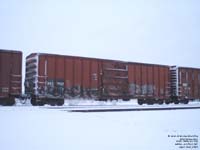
149 83
51 78
10 76
185 84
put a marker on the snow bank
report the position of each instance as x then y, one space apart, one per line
31 128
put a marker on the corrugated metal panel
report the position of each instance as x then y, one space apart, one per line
86 74
65 76
69 73
114 80
75 76
189 83
148 81
10 73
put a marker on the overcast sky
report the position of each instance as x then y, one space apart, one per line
150 31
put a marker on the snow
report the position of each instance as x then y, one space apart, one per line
24 127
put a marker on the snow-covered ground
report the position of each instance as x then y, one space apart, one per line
38 128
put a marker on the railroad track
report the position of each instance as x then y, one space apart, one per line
120 108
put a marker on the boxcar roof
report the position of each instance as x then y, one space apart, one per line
128 62
10 51
189 68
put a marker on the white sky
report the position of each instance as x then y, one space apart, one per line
150 31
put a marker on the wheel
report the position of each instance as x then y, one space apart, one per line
167 102
4 102
8 101
186 101
151 101
160 101
52 102
60 102
33 102
11 102
140 101
40 103
102 99
126 99
176 101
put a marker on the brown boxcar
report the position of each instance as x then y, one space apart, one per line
10 76
148 82
51 78
185 83
59 77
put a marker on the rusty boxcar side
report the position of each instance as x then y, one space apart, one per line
148 82
54 77
49 75
69 76
114 80
10 76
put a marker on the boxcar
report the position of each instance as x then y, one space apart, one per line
185 83
51 78
10 76
149 83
